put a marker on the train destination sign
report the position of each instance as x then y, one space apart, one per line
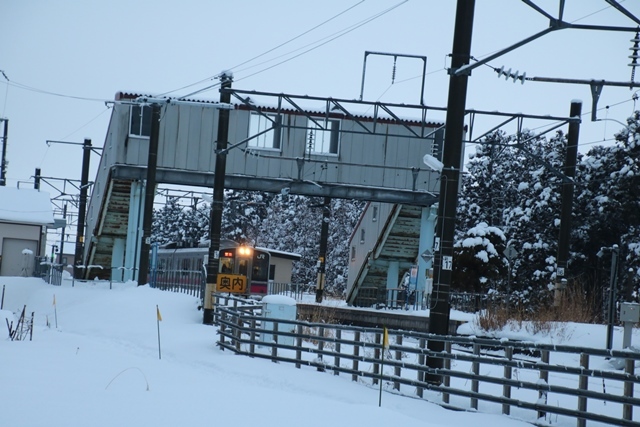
233 283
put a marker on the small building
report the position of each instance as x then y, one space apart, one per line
24 217
281 265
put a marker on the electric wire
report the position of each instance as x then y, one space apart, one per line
46 92
269 50
46 151
300 48
298 36
340 34
331 38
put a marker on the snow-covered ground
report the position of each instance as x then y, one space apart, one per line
94 361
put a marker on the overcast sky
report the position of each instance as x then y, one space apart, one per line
92 49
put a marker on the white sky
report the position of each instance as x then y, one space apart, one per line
94 49
92 365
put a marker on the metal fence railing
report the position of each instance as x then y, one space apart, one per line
539 383
190 282
48 271
293 290
394 298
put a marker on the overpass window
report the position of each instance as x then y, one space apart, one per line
375 214
323 139
362 235
140 121
270 125
353 253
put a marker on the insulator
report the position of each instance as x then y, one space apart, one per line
634 56
393 70
508 74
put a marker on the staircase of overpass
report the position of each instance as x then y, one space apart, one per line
399 243
112 225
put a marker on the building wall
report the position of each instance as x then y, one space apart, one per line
26 237
21 231
187 142
283 269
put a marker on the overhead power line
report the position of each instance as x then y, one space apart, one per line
327 39
269 50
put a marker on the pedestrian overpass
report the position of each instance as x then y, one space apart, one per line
321 147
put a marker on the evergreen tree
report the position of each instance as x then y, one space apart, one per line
344 217
479 259
511 183
166 224
609 202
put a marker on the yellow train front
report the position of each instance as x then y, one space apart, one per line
244 270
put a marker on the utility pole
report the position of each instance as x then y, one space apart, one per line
322 256
613 284
569 170
3 160
82 207
450 175
149 194
64 217
215 223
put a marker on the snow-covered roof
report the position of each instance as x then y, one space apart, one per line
311 110
25 206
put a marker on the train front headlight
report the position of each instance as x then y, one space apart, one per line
245 251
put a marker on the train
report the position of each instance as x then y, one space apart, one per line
258 265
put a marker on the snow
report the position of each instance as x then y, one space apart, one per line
279 300
25 206
94 361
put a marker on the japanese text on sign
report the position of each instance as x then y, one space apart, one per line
232 283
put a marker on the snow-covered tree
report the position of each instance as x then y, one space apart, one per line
166 224
479 258
608 196
513 182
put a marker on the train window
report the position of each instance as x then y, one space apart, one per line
226 265
260 270
243 266
272 272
